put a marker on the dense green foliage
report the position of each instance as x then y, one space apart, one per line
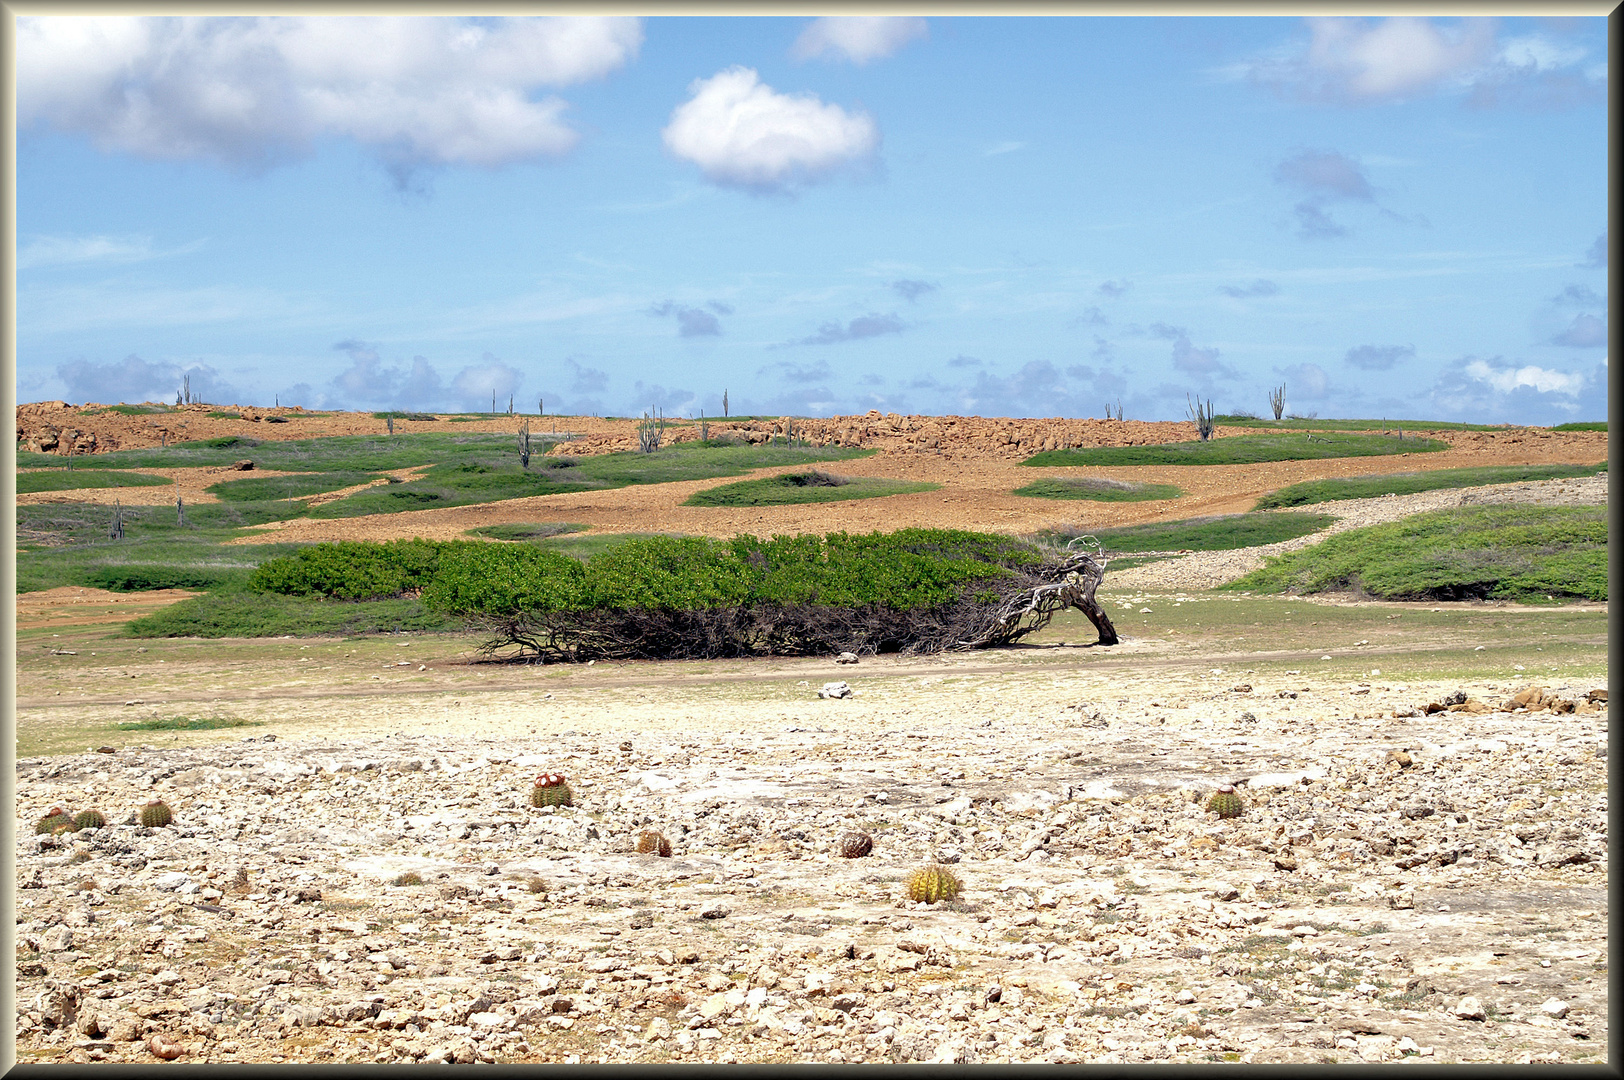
1222 533
127 578
355 570
1240 450
60 479
1498 552
803 487
1370 487
231 613
1097 489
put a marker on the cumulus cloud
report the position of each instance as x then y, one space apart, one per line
1378 357
857 38
692 321
1505 379
965 361
1113 289
369 380
1187 357
1585 332
1355 60
911 291
134 379
587 380
744 134
1308 382
252 92
798 373
1257 287
656 397
864 326
477 384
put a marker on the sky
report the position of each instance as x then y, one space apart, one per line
1031 216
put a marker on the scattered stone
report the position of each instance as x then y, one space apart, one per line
835 690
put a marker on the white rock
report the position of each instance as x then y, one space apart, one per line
1470 1008
835 690
1555 1008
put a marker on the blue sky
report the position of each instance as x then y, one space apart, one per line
1396 217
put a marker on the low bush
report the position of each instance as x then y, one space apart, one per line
1582 425
1499 552
354 570
148 578
229 613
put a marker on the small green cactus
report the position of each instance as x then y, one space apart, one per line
1225 803
653 843
933 884
156 814
52 821
88 819
854 845
551 790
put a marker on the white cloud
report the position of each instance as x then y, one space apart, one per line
742 133
1544 380
63 250
253 91
1538 53
858 38
1002 148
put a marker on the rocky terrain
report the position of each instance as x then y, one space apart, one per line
1419 873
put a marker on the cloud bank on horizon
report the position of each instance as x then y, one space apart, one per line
1033 216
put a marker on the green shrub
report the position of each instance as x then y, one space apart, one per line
147 578
353 570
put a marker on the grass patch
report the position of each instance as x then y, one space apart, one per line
185 723
418 416
1408 483
76 479
222 414
1098 489
1222 533
1240 450
294 486
133 410
127 578
1531 554
814 486
1582 425
584 547
526 530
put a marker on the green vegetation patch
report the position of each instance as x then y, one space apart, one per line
418 416
289 486
813 486
187 723
1221 533
1098 489
75 479
233 613
127 578
1303 423
1241 450
527 530
134 410
1582 425
1408 483
1508 552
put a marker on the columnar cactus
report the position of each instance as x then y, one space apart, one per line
88 819
653 843
854 845
933 884
551 790
1225 803
156 814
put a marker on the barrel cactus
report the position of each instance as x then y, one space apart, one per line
854 845
551 790
653 843
52 821
1225 803
156 814
933 884
88 819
